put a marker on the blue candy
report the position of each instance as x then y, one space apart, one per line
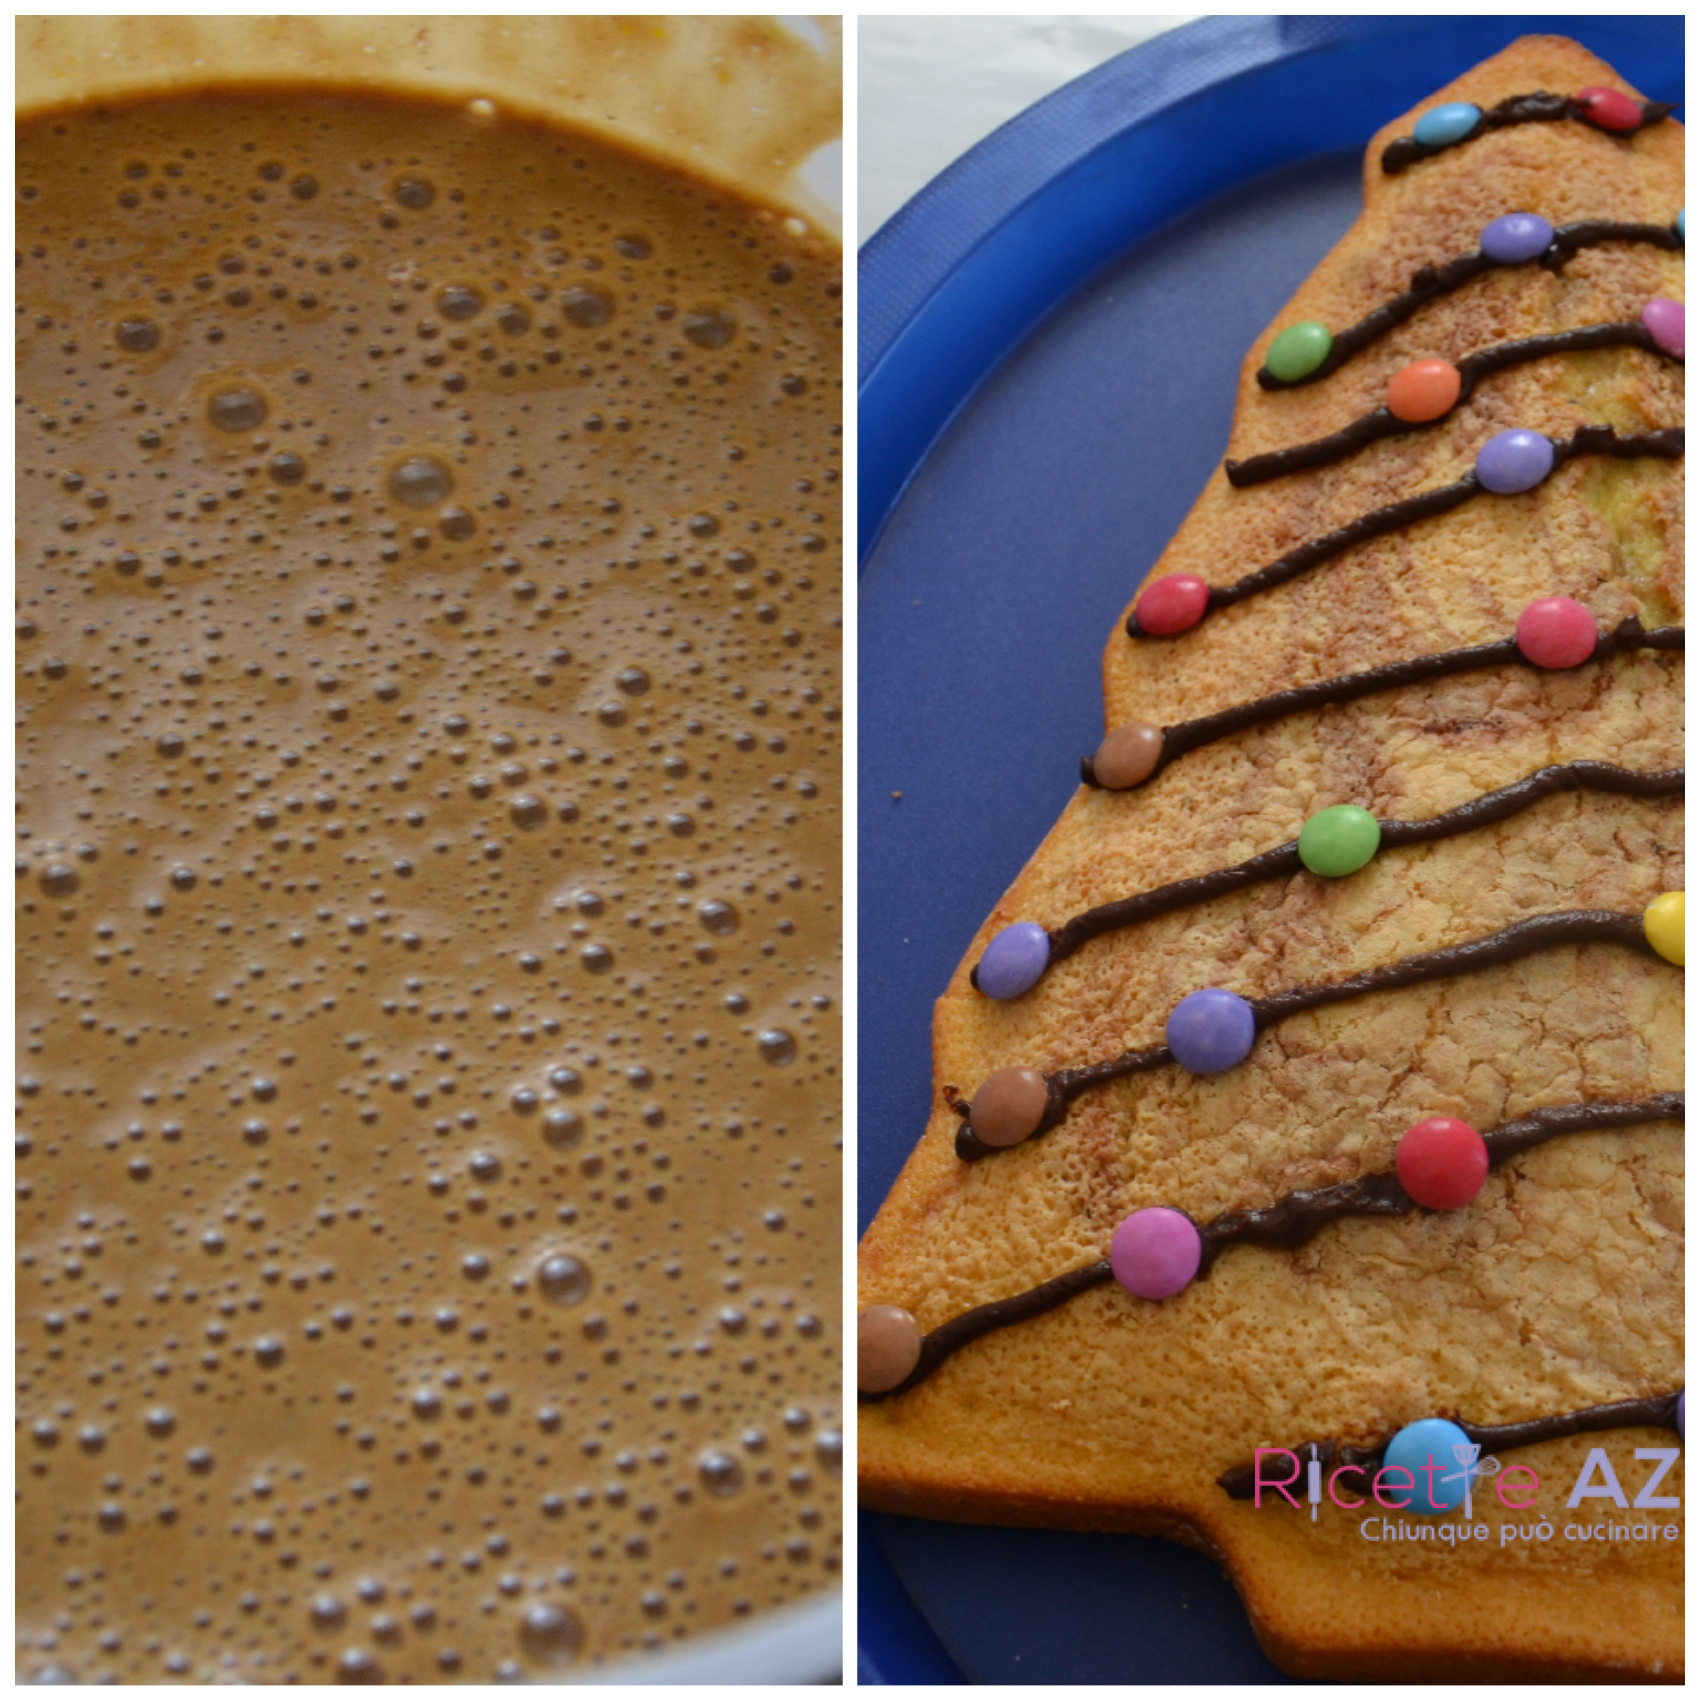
1211 1030
1517 237
1681 228
1682 1416
1014 960
1441 126
1514 461
1430 1440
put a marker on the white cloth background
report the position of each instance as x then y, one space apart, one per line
928 89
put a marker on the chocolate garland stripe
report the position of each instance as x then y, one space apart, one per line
1290 1221
1537 108
1293 1220
1659 1411
1493 950
1283 861
1372 427
1188 735
1664 444
1431 282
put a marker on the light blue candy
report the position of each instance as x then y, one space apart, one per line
1681 228
1441 126
1014 960
1430 1440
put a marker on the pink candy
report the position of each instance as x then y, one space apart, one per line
1664 321
1170 605
1557 631
1611 109
1155 1253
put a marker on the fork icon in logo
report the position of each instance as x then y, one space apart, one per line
1470 1465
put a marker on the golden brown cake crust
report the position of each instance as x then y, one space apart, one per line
1561 1286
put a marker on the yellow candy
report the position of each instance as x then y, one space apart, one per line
1663 922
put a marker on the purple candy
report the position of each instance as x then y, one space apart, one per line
1211 1030
1014 960
1514 461
1664 321
1517 237
1155 1253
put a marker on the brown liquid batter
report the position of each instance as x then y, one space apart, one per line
428 897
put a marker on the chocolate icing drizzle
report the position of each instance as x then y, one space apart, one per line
1291 1221
1283 861
1659 1411
1564 927
1372 427
1433 281
1188 735
1537 108
1664 444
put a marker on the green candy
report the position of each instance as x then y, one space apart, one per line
1340 840
1299 350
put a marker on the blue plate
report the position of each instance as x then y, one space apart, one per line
1051 334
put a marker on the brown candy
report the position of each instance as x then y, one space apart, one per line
1129 756
1009 1106
888 1346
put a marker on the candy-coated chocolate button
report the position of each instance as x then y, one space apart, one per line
1663 924
1338 841
1611 109
888 1347
1299 350
1514 461
1129 756
1682 1416
1664 321
1424 390
1014 960
1441 126
1557 631
1211 1030
1009 1106
1428 1449
1517 237
1442 1163
1171 604
1155 1253
1681 226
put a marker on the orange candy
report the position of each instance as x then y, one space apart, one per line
1424 390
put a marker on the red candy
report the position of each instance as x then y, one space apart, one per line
1557 631
1171 604
1424 390
1611 109
1442 1163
